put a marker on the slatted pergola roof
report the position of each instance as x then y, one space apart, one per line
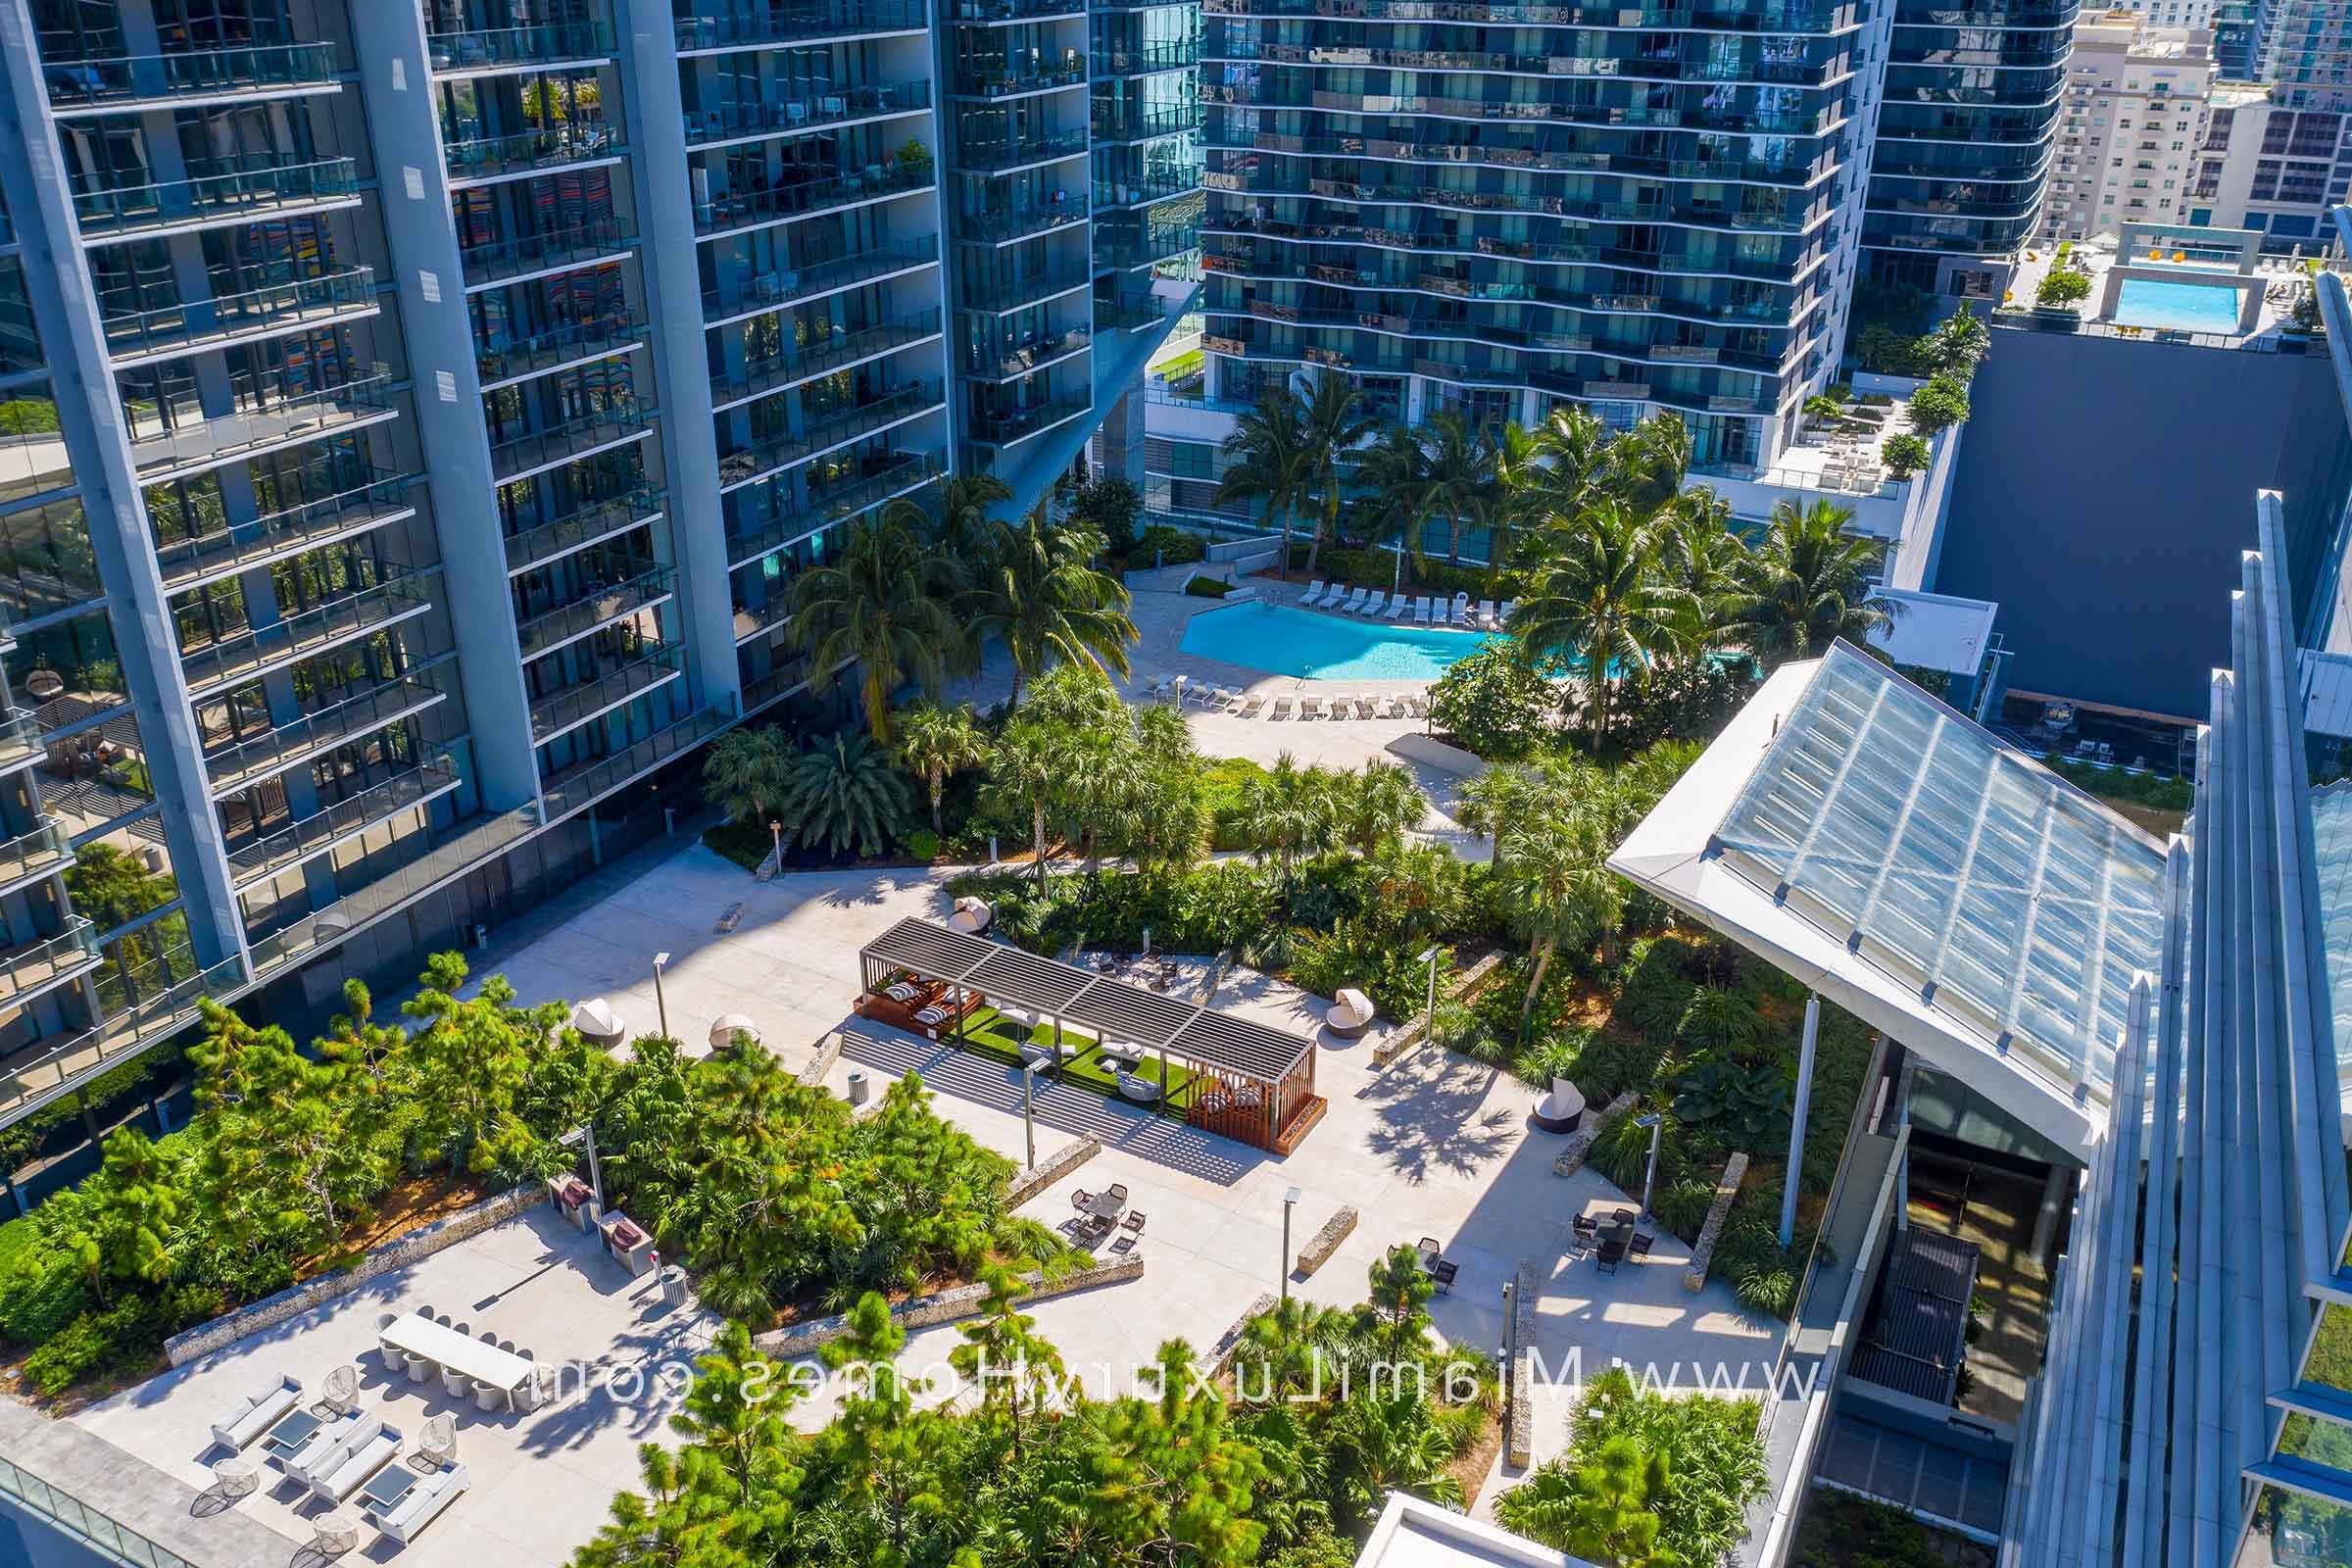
1114 1008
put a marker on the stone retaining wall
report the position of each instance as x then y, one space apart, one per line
1519 1444
1469 982
948 1307
1220 1355
1325 1241
1579 1143
1063 1160
1695 1276
822 1063
271 1310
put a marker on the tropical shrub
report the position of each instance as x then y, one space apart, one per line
1163 545
1939 404
1208 587
1906 453
843 796
1495 703
2061 287
1743 1107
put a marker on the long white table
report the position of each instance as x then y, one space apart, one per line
418 1336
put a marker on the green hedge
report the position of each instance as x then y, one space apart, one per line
2151 790
1376 568
1207 588
1221 783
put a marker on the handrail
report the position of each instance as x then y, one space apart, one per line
831 353
133 1029
761 460
1022 221
597 608
609 514
733 210
575 705
828 507
770 291
24 854
277 530
259 182
728 122
801 23
1019 424
266 422
186 321
485 155
578 244
249 653
555 346
564 793
55 955
309 834
123 79
269 752
535 448
579 39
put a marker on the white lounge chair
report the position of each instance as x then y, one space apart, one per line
361 1459
1400 606
258 1413
1310 707
1313 594
1252 703
1282 708
1365 707
1337 594
1387 708
1505 615
1143 1091
1351 1013
1228 697
1421 611
423 1503
1459 614
1158 688
1376 602
1355 600
1339 708
1485 613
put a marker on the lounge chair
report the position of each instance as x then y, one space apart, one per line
1485 613
1252 703
1459 614
1355 600
1229 697
1310 707
1386 708
423 1503
1282 708
1351 1015
258 1413
1313 594
1158 689
362 1456
1376 602
1332 598
1400 606
1365 707
1341 708
1503 616
1143 1091
1421 611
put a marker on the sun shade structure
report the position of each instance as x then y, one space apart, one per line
1248 1082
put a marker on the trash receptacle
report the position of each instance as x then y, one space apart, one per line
673 1285
856 1086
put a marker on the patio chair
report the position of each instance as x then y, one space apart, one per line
1421 611
1459 614
1638 1247
1485 613
1122 1245
1443 1273
457 1384
1313 594
1505 613
1282 708
1339 707
1117 1194
489 1398
1228 698
1159 687
1623 1216
1251 703
438 1443
420 1369
340 1393
1611 1254
1365 707
1430 1249
1082 1199
1376 602
1398 607
384 1320
1134 1220
1310 707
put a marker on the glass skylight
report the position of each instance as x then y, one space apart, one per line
2006 899
2332 844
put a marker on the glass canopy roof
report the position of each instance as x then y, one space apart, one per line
2010 900
2332 844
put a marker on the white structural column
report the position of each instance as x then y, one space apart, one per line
1797 1122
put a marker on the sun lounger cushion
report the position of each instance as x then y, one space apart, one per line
902 992
931 1015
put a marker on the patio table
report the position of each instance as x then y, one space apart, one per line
418 1336
1104 1206
294 1428
383 1491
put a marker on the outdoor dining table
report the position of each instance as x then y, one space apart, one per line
418 1336
1104 1206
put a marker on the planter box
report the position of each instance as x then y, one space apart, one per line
1067 1158
1220 1355
946 1306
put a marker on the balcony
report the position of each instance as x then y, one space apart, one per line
34 966
738 211
1023 223
575 705
779 683
1124 252
763 459
769 291
277 421
1029 358
1137 122
549 43
249 71
993 13
530 151
556 348
564 793
1002 156
1153 56
1156 185
217 190
243 545
1019 424
1010 80
48 1068
20 744
478 841
600 607
43 852
589 525
294 305
553 251
751 122
809 23
758 377
543 449
1002 297
324 831
896 475
773 610
304 633
232 766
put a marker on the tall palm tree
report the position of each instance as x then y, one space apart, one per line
1332 424
1652 461
1806 585
967 521
1287 813
1542 883
885 603
1461 466
1396 471
1266 460
1600 598
1037 592
1699 552
932 742
1378 804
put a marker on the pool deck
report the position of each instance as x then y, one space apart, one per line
2271 271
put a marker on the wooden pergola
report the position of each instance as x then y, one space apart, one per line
1248 1082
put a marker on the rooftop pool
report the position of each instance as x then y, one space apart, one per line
1283 641
2178 307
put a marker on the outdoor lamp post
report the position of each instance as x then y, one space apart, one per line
1428 1019
660 1004
1028 1097
775 833
1649 1178
1289 1200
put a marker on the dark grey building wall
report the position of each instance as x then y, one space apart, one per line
2105 490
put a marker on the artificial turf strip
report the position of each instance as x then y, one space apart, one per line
988 1032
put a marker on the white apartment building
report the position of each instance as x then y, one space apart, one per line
2133 121
2262 164
2190 14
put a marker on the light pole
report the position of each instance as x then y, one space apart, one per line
660 1006
1428 1019
1289 1200
1028 1121
1510 1355
1656 1125
775 832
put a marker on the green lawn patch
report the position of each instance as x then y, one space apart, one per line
991 1034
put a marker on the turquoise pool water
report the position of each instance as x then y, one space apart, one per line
1283 641
2177 307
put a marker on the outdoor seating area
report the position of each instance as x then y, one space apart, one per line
1422 610
1239 703
923 1007
1352 1013
1100 1217
1611 1240
1441 1269
1226 1075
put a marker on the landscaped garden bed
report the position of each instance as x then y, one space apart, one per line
990 1032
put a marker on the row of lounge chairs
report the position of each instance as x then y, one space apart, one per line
1423 609
1247 704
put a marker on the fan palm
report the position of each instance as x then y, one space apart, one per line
1267 461
1806 585
1392 1444
1461 473
845 795
1379 805
1292 1350
1396 471
967 525
1601 599
1037 591
886 604
1558 889
932 742
1332 422
1287 813
744 774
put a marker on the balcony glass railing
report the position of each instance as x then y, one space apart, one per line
1019 424
20 738
1135 122
370 504
1015 151
747 208
540 447
546 43
575 706
1020 222
780 681
477 842
1010 10
273 851
599 240
762 458
241 761
585 525
764 376
772 528
1156 185
223 189
43 849
191 74
1004 79
768 290
303 632
803 24
1022 359
596 607
274 421
564 793
562 345
1152 55
34 964
488 157
1002 296
290 302
733 121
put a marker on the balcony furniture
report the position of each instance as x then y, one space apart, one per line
438 1443
465 1360
257 1414
341 1391
234 1477
422 1502
332 1534
300 1439
1351 1015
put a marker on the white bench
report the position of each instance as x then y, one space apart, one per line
423 1503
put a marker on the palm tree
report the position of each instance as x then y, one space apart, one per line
1379 805
1461 470
1396 471
1266 460
1652 461
933 742
1601 599
967 525
744 774
1381 1445
1037 591
1024 771
885 603
844 794
1559 890
1606 1512
1700 554
1291 1349
1331 422
1805 586
1286 812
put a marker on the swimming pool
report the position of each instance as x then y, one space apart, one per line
2177 307
1283 641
